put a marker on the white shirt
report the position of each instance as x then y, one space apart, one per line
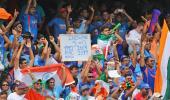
134 37
17 74
82 29
15 96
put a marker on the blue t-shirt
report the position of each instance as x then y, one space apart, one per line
11 38
149 76
39 61
56 92
58 25
2 50
123 30
30 24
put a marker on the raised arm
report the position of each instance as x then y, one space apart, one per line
91 16
28 6
14 55
98 65
45 50
115 50
57 49
34 3
8 27
85 70
5 38
16 35
128 16
142 59
63 75
134 55
28 44
69 10
16 63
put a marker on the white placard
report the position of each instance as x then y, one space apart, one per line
75 47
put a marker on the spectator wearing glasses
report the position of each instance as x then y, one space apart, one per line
5 87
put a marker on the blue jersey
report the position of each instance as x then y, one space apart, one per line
30 24
58 25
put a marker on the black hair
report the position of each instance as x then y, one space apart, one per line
48 82
147 58
21 60
2 83
40 36
104 27
72 66
15 24
70 26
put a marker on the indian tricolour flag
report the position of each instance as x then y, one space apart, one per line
162 78
46 72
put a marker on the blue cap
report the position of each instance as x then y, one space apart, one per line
145 85
122 57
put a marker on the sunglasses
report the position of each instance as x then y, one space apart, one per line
39 83
24 63
5 85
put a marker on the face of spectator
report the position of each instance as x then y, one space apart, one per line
145 91
32 10
128 78
23 64
125 61
51 83
37 85
3 97
106 31
148 46
41 40
118 18
5 86
21 91
74 71
64 14
140 28
77 24
125 71
150 62
85 92
84 13
71 30
18 28
105 16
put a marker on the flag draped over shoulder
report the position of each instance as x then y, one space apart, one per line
161 78
46 72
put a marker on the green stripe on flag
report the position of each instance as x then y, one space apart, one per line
167 93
